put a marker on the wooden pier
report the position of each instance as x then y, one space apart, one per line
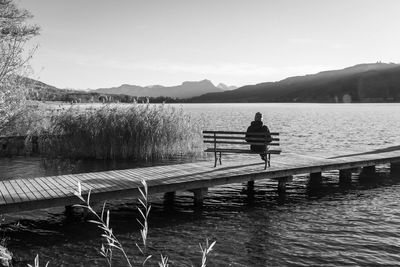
24 194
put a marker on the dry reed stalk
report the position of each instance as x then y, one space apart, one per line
138 132
103 222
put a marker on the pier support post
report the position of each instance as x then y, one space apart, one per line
169 199
250 186
249 191
199 195
69 210
282 181
345 176
315 179
281 186
368 171
169 196
395 167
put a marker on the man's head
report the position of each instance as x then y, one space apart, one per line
258 117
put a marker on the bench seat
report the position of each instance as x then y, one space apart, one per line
234 142
243 151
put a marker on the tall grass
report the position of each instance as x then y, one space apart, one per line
137 131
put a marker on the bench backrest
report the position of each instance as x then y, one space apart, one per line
239 138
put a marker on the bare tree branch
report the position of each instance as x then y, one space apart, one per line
14 34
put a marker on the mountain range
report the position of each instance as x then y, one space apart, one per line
185 90
372 82
375 82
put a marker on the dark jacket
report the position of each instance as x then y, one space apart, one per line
258 127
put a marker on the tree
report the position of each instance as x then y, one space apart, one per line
14 34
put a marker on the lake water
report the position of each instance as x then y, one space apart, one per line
356 225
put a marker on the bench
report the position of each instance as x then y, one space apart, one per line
222 142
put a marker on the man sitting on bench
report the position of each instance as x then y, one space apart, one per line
257 126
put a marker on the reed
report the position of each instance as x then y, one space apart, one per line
103 222
36 263
26 118
137 131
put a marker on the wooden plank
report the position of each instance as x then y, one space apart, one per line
126 183
86 180
47 187
180 169
67 183
240 143
57 184
137 176
33 189
5 194
73 180
122 177
12 193
2 199
164 178
244 151
60 190
26 189
227 132
19 190
150 173
70 182
132 176
40 191
169 171
70 185
177 172
238 138
112 180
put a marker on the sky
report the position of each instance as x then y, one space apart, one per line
102 43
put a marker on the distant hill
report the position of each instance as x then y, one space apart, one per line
40 91
185 90
377 82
